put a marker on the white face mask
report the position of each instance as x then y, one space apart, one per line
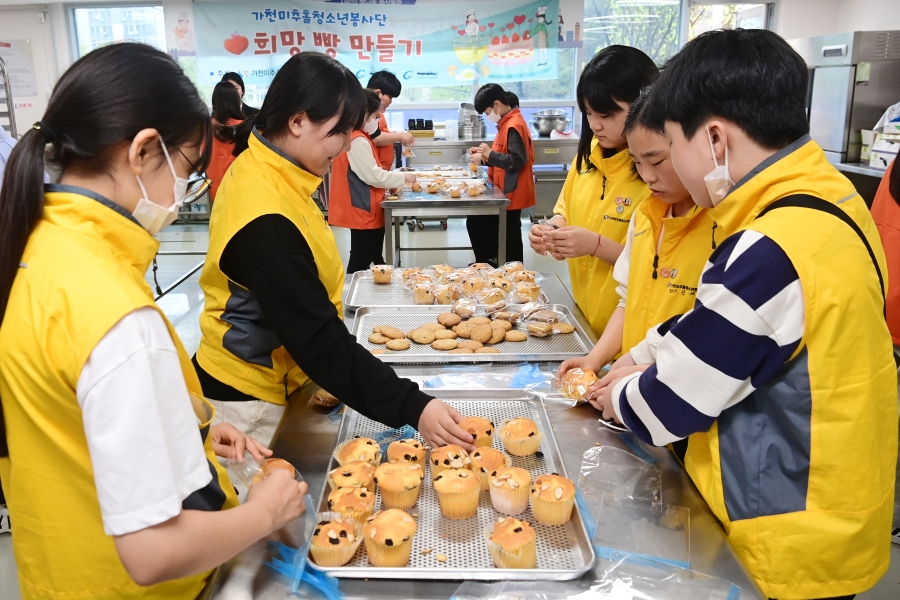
718 181
493 116
153 217
371 126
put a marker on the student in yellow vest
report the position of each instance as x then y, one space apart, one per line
669 241
601 190
783 373
358 184
108 453
388 87
273 276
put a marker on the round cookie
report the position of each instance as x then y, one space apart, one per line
378 351
482 333
462 351
444 345
464 330
449 319
445 334
505 325
499 334
516 336
433 326
563 328
480 320
421 335
378 338
487 350
470 344
398 345
389 331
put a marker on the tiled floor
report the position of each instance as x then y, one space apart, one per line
184 304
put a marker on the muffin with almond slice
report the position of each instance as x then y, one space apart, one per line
458 492
509 490
520 436
399 483
450 456
365 449
388 536
486 461
513 544
335 540
552 499
356 473
409 449
355 503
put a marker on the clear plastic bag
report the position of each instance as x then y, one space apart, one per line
576 382
446 293
645 530
465 307
250 470
423 293
490 296
619 474
525 292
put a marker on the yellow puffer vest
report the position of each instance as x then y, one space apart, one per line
238 347
82 271
601 200
683 251
801 473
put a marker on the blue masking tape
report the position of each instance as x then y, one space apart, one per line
590 524
631 441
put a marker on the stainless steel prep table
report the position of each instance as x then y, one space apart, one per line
306 438
493 202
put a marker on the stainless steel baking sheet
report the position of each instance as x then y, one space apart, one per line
563 552
407 318
363 291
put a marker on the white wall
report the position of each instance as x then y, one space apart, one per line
807 18
22 23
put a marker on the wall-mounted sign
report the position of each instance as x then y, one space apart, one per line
20 67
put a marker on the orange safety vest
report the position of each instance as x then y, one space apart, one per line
220 159
353 203
384 154
886 213
523 196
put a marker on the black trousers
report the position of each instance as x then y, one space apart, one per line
366 247
484 237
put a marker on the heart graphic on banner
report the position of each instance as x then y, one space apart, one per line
491 25
461 31
236 43
510 25
453 27
531 20
482 28
519 20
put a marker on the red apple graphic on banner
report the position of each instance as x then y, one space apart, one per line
236 43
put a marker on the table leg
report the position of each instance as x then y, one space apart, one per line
501 236
397 226
388 245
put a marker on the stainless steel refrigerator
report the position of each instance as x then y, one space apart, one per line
853 78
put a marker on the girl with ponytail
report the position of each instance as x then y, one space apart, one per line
115 490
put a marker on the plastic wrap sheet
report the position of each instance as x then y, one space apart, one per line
622 579
620 474
643 530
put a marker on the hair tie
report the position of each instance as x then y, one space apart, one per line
45 131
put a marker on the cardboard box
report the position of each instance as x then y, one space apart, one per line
880 159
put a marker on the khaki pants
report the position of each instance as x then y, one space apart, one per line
256 418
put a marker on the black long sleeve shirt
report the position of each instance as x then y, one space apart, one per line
272 259
512 162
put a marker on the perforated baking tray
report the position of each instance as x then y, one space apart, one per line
363 291
407 318
563 552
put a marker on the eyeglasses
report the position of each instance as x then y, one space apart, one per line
198 182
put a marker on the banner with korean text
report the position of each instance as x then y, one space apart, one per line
423 44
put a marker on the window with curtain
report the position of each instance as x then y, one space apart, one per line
650 25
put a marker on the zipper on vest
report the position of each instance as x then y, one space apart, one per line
603 188
714 234
655 264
